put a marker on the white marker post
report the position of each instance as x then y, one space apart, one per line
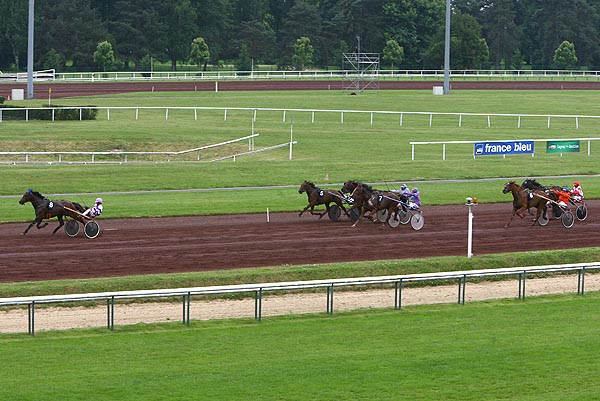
470 202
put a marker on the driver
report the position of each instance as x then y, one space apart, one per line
95 210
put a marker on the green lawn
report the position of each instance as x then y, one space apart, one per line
541 349
328 151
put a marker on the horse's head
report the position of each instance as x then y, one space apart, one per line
31 196
509 186
349 186
531 183
305 186
27 197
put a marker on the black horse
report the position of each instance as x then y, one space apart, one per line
532 185
318 196
47 209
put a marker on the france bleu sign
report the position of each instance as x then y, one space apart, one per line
503 148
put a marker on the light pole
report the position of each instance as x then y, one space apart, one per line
30 51
447 51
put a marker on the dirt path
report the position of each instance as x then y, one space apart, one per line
60 318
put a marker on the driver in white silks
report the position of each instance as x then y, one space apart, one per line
95 210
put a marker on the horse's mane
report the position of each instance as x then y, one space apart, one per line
368 187
37 194
310 184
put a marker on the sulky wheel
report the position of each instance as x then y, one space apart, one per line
91 229
72 228
394 220
543 220
382 215
334 212
404 216
417 221
567 219
581 212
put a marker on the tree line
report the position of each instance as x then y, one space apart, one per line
82 35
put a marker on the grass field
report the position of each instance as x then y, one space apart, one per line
542 349
328 151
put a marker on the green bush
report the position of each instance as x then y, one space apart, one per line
2 99
17 113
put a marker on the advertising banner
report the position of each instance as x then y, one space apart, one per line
562 146
503 148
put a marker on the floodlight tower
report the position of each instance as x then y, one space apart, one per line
447 51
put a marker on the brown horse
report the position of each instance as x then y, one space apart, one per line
361 195
523 200
47 209
318 196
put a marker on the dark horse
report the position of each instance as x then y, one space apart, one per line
532 185
369 200
46 209
318 196
523 200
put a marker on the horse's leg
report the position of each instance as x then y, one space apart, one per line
360 215
60 224
325 212
27 229
304 210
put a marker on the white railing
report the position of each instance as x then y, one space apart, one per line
118 154
371 113
101 76
259 289
444 143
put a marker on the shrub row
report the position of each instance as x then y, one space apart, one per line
18 113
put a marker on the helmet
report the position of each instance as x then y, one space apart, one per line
415 189
566 189
403 186
576 183
98 200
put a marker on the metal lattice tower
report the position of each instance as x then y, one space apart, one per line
361 71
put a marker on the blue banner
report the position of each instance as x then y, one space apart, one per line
503 148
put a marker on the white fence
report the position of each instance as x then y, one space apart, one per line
329 285
370 113
101 76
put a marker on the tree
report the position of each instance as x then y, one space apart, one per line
243 62
199 54
104 55
564 56
393 53
303 53
501 32
52 60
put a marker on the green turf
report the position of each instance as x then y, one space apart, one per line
328 151
541 349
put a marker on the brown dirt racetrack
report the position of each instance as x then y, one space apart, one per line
200 243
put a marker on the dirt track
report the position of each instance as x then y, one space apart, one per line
200 243
60 90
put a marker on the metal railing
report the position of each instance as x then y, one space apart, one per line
329 285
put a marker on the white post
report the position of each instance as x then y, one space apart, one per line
470 202
268 220
291 139
216 87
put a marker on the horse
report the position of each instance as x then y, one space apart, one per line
533 185
46 209
372 200
523 200
361 195
317 196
